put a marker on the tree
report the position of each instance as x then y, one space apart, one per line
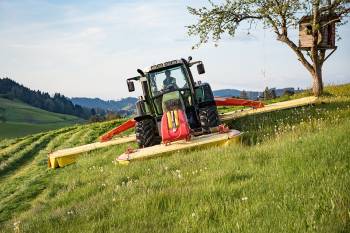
243 95
288 92
280 16
273 93
93 112
2 115
266 93
111 116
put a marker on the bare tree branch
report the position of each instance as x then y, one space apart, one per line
297 51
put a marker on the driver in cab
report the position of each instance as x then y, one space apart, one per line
169 82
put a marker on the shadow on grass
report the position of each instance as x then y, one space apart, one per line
234 178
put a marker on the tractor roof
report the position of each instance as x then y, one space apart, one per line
164 65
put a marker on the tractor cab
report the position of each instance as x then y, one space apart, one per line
167 87
170 79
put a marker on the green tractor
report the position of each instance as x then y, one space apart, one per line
167 86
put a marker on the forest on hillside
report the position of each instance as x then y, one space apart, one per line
58 103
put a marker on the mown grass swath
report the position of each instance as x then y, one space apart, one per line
13 148
31 179
290 174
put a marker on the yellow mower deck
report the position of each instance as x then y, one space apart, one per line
269 108
233 136
64 157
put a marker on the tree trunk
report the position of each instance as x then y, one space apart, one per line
317 85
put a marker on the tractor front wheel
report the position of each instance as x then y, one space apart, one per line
209 118
146 133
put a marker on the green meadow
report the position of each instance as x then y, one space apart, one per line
18 119
290 173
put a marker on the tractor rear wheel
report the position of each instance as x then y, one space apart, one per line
146 133
209 118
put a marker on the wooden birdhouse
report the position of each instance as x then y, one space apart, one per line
326 38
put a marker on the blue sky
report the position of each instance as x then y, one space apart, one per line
88 48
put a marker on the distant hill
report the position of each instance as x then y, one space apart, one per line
86 107
251 94
12 90
18 119
226 92
125 106
236 93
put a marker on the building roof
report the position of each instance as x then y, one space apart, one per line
308 18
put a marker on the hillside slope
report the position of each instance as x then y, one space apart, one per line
19 119
57 103
291 174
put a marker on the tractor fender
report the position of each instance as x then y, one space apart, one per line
142 117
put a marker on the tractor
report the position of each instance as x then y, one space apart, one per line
173 106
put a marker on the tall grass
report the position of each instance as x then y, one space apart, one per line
291 174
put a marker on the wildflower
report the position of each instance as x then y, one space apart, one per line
193 214
244 198
129 183
70 212
16 223
16 226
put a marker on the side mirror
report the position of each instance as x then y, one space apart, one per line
131 86
200 68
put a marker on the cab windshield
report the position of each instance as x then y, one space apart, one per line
167 80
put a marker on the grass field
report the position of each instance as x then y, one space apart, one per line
290 174
18 119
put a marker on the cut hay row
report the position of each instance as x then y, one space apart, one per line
26 154
14 148
30 180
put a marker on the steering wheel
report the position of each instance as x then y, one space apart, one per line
171 87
